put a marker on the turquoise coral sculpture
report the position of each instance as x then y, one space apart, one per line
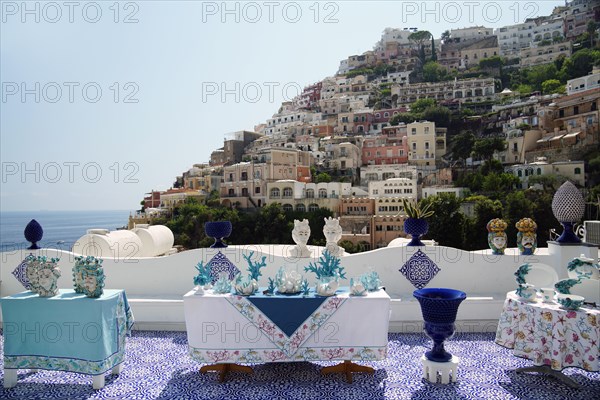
328 265
203 278
255 266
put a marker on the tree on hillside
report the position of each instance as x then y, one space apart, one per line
434 72
446 207
552 86
486 147
421 104
445 36
440 115
462 145
419 38
406 118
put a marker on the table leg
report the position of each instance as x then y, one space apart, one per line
98 382
347 367
117 369
223 369
545 369
10 377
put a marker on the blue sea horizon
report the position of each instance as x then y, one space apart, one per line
61 228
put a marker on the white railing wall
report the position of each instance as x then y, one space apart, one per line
155 285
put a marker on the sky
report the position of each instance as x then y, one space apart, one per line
104 101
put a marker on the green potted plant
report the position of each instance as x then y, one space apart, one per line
415 224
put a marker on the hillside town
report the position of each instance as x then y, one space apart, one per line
416 117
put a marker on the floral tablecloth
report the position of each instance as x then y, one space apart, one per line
549 335
67 332
235 329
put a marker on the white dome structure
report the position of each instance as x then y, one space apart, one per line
156 239
105 244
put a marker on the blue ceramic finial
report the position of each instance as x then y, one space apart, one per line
33 233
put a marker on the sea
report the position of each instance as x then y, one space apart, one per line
61 228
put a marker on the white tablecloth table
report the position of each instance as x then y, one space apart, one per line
231 329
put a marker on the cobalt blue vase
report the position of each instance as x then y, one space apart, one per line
416 227
33 233
218 230
439 307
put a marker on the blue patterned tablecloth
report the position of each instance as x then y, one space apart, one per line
67 332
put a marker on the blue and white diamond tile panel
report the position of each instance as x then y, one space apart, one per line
419 269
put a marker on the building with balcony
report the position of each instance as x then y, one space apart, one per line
513 38
572 170
172 197
307 197
244 185
544 54
370 173
426 144
384 149
394 188
474 90
584 83
463 54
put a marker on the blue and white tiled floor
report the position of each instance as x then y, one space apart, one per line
157 367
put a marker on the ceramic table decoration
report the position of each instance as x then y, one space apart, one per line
203 279
300 235
570 301
536 274
89 268
526 237
305 287
93 282
328 272
333 233
288 282
43 274
496 236
568 206
245 286
222 285
583 267
588 288
357 288
547 294
327 286
526 292
371 281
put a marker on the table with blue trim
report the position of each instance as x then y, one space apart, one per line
67 332
225 330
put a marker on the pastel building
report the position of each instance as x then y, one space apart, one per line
425 143
300 196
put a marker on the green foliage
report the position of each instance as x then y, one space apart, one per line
492 62
421 105
486 147
497 185
407 118
517 206
462 145
491 166
440 115
446 207
417 210
553 86
348 246
323 177
434 72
